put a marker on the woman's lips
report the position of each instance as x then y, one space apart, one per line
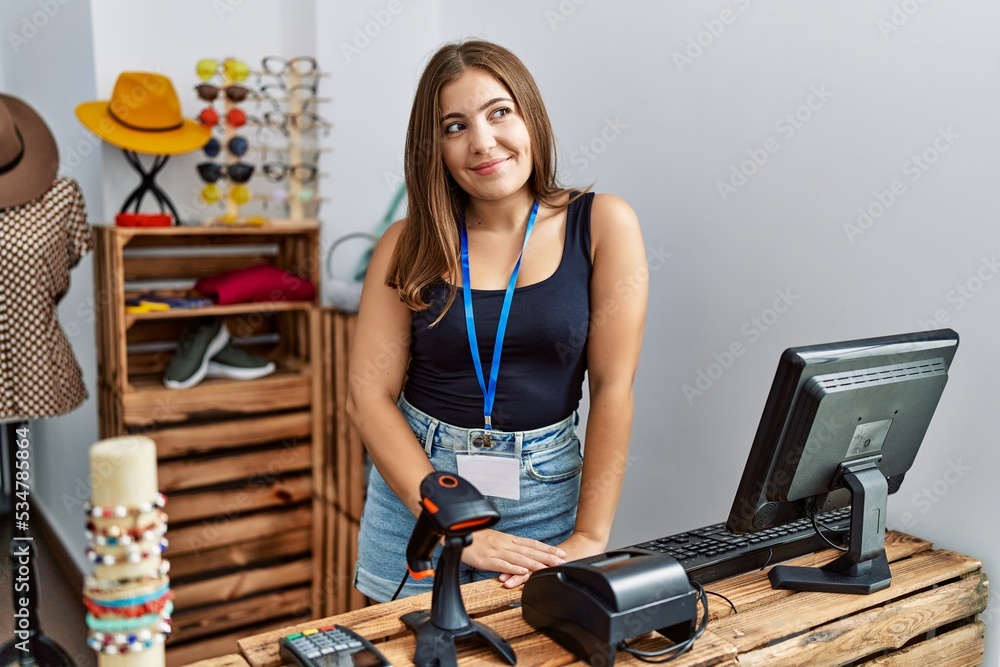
491 167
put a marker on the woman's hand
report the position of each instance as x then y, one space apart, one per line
575 547
494 551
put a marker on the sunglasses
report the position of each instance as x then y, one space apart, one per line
238 172
231 69
311 88
209 117
238 146
301 173
235 93
300 65
211 194
303 121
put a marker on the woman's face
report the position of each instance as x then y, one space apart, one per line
484 139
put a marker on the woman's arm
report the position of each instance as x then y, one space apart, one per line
618 295
380 352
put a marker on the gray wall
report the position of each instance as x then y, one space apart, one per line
748 136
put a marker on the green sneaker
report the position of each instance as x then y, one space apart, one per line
201 340
236 363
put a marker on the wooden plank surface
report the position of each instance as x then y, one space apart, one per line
267 492
150 402
228 660
247 553
252 467
881 628
206 621
246 582
214 437
753 589
224 644
962 647
176 267
235 530
932 590
801 611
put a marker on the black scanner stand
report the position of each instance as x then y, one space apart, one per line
590 606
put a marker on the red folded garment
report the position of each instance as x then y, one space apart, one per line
261 282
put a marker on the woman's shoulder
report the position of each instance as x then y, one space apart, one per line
610 216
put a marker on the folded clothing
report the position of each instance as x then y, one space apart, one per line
261 282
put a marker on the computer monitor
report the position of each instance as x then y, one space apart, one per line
841 426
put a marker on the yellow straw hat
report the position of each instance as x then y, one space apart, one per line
143 115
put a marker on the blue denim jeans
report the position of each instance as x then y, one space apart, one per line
550 467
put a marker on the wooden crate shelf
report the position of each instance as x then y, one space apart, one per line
344 474
241 462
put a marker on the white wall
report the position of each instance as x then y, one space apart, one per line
48 62
633 117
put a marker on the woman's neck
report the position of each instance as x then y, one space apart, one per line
507 214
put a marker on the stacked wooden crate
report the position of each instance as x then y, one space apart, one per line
241 462
345 472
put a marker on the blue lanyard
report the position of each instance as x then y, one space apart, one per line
490 392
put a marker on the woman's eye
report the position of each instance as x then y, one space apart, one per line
452 128
500 113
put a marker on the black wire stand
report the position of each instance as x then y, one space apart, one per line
24 583
148 185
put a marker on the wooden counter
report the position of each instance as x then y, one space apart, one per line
928 616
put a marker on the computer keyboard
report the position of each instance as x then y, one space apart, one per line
712 553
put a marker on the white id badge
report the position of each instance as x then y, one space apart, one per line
492 463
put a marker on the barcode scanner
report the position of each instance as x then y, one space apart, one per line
452 509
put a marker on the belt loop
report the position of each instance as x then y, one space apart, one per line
429 438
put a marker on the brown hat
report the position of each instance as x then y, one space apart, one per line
143 115
29 159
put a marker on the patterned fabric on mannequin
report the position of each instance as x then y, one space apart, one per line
40 241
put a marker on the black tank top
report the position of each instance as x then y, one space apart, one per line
544 352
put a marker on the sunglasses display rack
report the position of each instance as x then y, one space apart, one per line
291 125
287 126
225 175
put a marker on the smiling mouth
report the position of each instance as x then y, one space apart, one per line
490 167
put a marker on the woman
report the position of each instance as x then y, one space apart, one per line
480 172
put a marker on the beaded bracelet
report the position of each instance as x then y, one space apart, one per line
141 641
118 588
144 609
116 535
138 599
106 586
134 556
122 511
126 625
128 541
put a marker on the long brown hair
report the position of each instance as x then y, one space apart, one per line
428 246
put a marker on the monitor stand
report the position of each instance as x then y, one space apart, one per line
864 568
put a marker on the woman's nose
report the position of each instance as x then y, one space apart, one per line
482 138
